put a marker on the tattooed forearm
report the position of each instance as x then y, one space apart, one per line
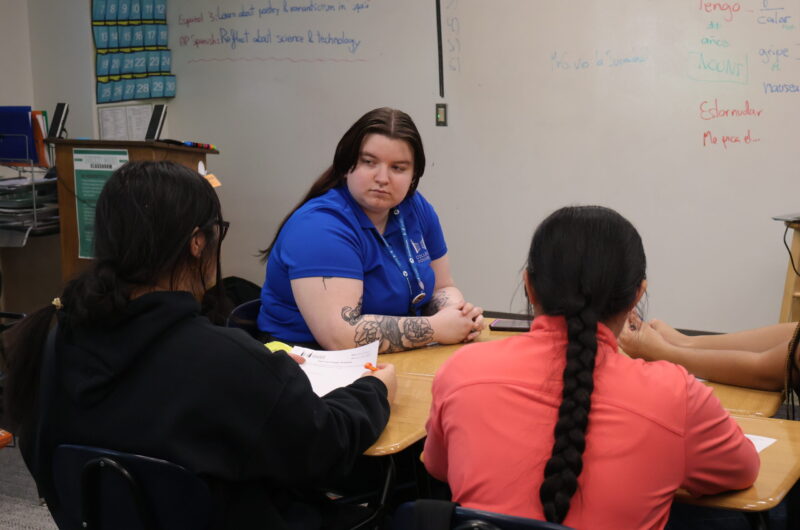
352 315
416 331
390 333
438 301
366 332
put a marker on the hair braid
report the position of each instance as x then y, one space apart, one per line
586 264
566 461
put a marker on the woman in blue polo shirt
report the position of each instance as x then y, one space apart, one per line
362 257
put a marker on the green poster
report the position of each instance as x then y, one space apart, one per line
93 167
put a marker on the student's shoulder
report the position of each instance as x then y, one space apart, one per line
420 205
329 211
657 390
234 350
479 361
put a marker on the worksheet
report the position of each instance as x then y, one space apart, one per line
328 370
761 442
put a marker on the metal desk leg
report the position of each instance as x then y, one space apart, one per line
758 520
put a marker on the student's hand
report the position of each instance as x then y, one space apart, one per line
475 314
385 373
297 358
451 326
639 340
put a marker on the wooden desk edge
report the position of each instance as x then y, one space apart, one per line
377 449
738 499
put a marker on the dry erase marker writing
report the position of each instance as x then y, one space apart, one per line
370 367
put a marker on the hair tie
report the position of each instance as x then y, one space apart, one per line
57 303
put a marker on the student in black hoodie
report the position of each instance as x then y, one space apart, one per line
136 368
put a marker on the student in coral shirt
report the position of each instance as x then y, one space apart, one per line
555 424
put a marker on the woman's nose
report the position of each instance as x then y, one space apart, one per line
382 173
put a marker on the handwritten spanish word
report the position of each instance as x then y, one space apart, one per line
711 111
235 38
710 139
560 61
781 88
705 67
768 54
773 16
725 8
714 41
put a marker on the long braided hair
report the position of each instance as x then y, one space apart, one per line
586 264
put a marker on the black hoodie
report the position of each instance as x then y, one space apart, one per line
165 382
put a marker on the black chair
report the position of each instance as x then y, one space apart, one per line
244 316
409 514
104 489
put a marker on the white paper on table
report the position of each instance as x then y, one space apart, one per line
761 442
329 370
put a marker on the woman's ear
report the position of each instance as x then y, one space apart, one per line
529 292
197 243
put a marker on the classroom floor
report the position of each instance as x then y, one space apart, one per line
19 502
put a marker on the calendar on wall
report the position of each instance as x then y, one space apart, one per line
132 57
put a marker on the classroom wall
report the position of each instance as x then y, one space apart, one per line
63 61
549 104
45 58
15 54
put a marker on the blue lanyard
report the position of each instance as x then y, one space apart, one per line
421 296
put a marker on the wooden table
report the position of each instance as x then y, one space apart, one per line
408 416
790 303
744 401
780 468
735 399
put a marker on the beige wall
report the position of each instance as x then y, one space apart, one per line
16 87
31 275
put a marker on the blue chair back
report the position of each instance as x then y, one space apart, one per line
407 516
104 489
244 316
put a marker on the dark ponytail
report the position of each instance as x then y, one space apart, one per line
22 361
586 264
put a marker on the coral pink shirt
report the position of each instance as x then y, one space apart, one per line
653 428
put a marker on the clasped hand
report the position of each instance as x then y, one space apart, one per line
458 323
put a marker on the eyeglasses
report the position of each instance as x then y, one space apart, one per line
223 229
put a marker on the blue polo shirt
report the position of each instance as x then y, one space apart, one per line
332 236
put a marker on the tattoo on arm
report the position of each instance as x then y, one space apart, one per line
438 301
352 315
417 331
323 281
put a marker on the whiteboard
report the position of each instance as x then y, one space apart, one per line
680 115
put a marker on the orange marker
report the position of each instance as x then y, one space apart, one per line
370 367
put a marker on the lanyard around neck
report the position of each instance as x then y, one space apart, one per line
421 296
